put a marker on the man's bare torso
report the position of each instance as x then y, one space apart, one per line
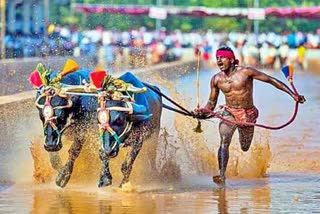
237 87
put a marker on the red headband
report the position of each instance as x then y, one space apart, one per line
227 54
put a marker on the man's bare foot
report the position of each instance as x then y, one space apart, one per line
221 181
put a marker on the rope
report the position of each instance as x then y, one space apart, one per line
211 114
177 110
215 114
182 111
293 117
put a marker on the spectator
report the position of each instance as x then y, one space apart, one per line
301 51
283 53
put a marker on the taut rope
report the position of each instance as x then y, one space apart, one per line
211 114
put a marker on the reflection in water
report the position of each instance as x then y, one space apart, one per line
173 200
248 197
79 199
272 195
186 162
222 201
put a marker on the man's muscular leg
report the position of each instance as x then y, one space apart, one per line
245 137
226 132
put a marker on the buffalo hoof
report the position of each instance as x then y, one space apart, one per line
105 181
64 175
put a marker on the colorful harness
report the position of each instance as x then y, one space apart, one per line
48 110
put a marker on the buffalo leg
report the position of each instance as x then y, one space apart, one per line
55 160
105 175
127 164
66 171
152 151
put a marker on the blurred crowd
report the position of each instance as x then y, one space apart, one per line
140 47
267 50
136 47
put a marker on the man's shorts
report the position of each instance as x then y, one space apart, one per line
242 115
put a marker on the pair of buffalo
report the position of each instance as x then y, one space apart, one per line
125 117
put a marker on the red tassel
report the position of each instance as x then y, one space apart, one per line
35 79
97 78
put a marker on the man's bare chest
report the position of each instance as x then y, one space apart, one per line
233 83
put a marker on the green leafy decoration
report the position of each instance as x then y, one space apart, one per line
108 83
45 76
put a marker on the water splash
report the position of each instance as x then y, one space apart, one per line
180 151
197 156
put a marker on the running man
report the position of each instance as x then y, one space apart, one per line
236 83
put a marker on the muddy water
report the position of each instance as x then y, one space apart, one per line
280 173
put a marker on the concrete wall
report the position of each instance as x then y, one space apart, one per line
14 73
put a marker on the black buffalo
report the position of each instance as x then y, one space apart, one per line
59 111
118 126
125 123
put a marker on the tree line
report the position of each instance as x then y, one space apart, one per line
65 14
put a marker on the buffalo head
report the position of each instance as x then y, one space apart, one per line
54 110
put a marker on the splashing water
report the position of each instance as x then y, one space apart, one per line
180 152
185 162
197 151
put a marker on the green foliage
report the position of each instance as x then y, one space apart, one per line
186 27
224 24
65 15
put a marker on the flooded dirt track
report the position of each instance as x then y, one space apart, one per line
279 194
280 172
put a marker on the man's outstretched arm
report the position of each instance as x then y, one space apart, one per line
258 75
